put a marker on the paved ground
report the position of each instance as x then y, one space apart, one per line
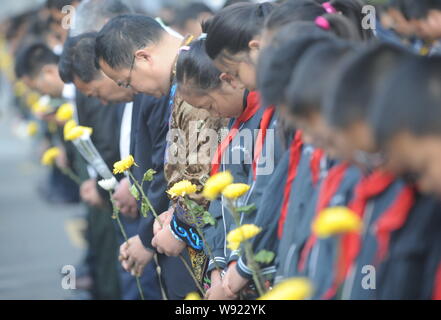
36 239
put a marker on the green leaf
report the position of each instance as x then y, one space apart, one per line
247 209
134 191
208 218
149 175
194 207
145 208
264 257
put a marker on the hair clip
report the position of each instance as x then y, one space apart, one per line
203 36
329 8
321 22
184 48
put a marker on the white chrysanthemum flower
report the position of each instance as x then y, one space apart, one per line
108 184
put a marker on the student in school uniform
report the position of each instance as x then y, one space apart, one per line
304 100
272 80
272 86
385 203
400 128
233 57
202 84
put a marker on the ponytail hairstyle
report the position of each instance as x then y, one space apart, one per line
351 9
339 25
310 10
194 68
232 28
316 70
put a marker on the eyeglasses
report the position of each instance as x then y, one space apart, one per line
129 80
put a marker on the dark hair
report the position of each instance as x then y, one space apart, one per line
32 58
123 35
297 30
291 11
196 66
38 27
78 59
191 12
231 2
350 94
235 26
353 10
58 4
410 101
276 66
341 26
309 10
310 79
18 22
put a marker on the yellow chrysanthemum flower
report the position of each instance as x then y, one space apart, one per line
291 289
69 126
78 132
193 296
234 191
65 112
41 108
49 156
124 165
32 99
181 189
337 220
241 234
216 184
20 88
32 128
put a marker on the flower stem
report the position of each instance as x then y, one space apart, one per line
117 218
248 251
155 214
141 190
254 268
68 172
159 272
204 240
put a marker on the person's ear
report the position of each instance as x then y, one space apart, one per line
143 54
228 80
254 45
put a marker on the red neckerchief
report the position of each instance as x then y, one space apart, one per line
369 187
316 159
437 286
329 188
266 120
253 105
393 219
294 159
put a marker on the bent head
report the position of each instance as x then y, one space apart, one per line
136 52
202 85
